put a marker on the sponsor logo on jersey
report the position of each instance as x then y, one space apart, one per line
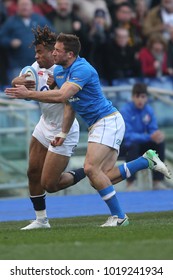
73 99
146 119
76 79
59 77
40 73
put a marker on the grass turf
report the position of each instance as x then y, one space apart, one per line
149 236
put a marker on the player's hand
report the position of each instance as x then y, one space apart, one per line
59 139
20 92
24 80
50 81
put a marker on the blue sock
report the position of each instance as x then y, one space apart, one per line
127 169
109 196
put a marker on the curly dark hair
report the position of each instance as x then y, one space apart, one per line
44 36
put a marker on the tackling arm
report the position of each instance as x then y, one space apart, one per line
51 96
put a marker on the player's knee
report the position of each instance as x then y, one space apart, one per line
89 170
50 186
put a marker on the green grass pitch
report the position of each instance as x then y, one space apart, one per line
148 237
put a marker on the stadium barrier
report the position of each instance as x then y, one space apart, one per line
17 120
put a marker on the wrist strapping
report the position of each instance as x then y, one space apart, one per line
61 135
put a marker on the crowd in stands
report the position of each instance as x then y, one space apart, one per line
120 38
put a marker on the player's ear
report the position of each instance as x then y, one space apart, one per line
70 54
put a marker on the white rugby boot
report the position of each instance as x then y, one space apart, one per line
114 221
42 223
156 164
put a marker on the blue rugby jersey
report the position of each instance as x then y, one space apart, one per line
90 102
140 123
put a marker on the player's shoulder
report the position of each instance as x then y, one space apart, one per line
81 61
82 66
53 67
58 67
35 66
40 71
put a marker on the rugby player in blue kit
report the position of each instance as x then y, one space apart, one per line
78 83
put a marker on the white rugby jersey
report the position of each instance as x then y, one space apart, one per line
52 113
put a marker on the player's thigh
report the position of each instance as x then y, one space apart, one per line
54 166
37 154
100 156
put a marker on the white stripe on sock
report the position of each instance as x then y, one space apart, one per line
109 195
128 174
40 195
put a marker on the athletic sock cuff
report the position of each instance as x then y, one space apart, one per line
107 193
39 202
78 175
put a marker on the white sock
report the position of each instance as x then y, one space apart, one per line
40 215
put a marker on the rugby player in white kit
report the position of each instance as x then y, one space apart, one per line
47 163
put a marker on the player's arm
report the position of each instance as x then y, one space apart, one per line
22 80
68 119
51 96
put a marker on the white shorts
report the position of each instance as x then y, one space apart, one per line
44 133
108 131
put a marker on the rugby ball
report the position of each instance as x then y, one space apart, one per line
32 75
